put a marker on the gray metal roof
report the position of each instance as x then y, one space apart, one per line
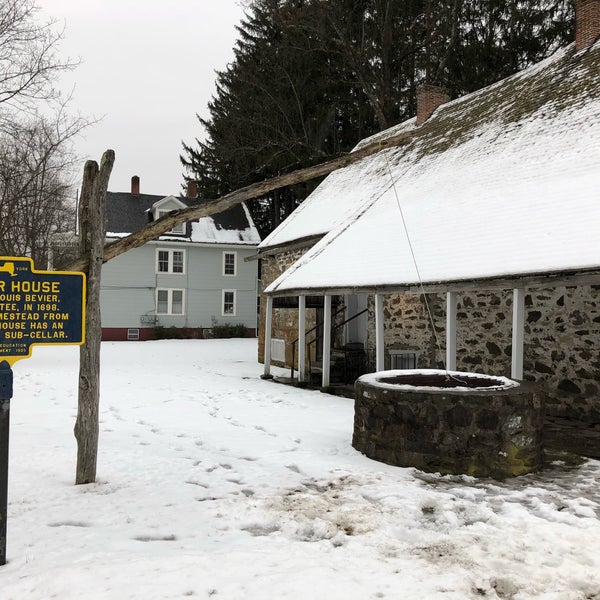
128 213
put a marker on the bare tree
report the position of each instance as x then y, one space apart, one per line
36 134
249 192
35 165
29 61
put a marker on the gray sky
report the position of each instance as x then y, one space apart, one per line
147 69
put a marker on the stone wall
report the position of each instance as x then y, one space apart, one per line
484 432
562 340
285 320
561 353
408 327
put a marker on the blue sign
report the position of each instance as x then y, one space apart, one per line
38 307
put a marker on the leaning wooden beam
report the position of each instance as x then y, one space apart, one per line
256 190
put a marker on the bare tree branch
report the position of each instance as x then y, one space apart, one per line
256 190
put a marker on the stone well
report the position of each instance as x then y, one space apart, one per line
449 422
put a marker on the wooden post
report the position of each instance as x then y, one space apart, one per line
268 321
518 333
301 339
451 302
92 235
379 337
325 381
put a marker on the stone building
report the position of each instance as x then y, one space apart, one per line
473 245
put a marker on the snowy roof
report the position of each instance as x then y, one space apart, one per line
128 213
502 182
336 199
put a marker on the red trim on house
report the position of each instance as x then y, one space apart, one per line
119 334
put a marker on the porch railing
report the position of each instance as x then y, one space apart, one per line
318 337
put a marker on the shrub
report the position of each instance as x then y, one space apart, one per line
229 331
166 333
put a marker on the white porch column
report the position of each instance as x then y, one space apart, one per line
451 302
518 333
268 321
326 342
379 338
301 338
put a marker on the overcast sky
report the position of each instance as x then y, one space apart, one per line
148 67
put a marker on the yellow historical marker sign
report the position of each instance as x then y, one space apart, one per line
38 307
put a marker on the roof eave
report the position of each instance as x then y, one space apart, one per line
529 280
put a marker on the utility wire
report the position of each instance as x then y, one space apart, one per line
414 259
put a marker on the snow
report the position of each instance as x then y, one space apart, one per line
320 212
512 198
531 206
381 379
205 230
213 483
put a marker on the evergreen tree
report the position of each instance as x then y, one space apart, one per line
310 78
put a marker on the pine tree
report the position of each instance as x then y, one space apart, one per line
310 78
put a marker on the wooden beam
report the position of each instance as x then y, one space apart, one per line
518 333
326 344
92 229
268 321
256 190
451 302
379 334
301 339
305 242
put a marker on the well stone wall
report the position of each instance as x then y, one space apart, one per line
562 340
484 432
561 353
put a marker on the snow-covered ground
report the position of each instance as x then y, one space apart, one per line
215 483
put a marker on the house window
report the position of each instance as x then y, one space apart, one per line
133 334
229 263
170 261
228 303
169 302
178 229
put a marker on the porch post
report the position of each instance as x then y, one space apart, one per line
268 320
518 333
379 339
326 342
451 302
301 338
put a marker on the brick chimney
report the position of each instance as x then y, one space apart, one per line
429 97
587 23
135 185
192 189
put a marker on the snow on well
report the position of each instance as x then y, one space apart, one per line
382 379
213 483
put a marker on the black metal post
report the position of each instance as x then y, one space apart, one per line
6 390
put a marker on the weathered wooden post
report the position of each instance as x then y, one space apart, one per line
92 235
6 381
